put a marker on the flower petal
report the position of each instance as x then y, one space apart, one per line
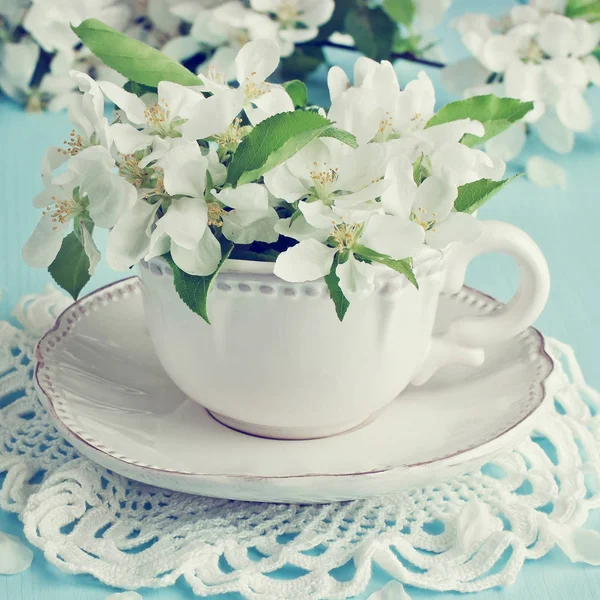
554 133
497 52
202 260
393 236
337 82
307 261
15 556
557 35
317 214
213 115
90 248
299 229
573 110
579 544
524 14
369 192
592 68
44 243
125 596
546 173
160 147
455 227
181 48
160 243
133 106
245 227
185 221
256 61
453 131
356 112
53 158
357 278
185 170
587 36
110 196
508 144
464 74
399 197
178 100
273 102
394 590
282 184
249 197
129 240
435 198
316 12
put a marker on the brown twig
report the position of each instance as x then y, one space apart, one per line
408 56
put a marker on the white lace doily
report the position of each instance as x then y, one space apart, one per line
454 536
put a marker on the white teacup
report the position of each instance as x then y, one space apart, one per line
276 361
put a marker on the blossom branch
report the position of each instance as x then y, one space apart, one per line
408 56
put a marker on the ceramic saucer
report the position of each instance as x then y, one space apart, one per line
98 376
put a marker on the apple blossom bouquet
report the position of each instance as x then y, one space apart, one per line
545 51
199 170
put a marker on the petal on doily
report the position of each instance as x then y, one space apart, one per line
15 556
546 173
37 312
394 590
579 544
124 596
474 525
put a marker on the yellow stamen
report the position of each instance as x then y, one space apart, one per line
215 214
74 144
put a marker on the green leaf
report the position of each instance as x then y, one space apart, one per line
138 89
472 196
272 142
133 59
373 31
403 266
303 61
241 254
297 91
194 289
590 11
496 114
401 11
335 292
342 135
71 267
419 171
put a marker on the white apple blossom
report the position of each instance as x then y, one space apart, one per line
256 61
328 171
298 20
429 205
343 234
376 109
538 54
88 193
222 26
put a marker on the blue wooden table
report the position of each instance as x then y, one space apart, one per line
564 224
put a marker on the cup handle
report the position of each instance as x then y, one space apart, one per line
464 340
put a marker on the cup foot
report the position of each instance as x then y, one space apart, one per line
286 433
